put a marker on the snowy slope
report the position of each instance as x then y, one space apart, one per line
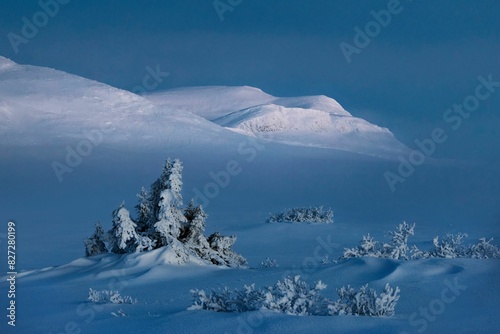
310 127
210 102
41 105
317 121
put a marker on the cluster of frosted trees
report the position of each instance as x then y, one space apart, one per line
162 221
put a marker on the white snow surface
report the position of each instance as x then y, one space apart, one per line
43 112
317 121
41 105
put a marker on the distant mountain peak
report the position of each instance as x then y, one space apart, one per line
46 106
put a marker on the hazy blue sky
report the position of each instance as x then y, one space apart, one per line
427 58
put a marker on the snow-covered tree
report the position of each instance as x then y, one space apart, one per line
143 211
144 243
223 254
161 221
195 223
174 182
156 189
122 236
171 220
96 244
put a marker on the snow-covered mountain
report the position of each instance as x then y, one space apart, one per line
317 121
40 106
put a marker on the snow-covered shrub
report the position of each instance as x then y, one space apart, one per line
396 248
365 302
326 260
161 221
452 246
302 215
294 296
367 247
449 246
109 296
484 250
227 300
269 263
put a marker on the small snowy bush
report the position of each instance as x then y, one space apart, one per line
269 263
302 215
109 296
367 247
452 246
227 300
449 246
484 250
365 302
294 296
396 248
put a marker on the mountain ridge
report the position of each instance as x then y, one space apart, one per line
42 106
